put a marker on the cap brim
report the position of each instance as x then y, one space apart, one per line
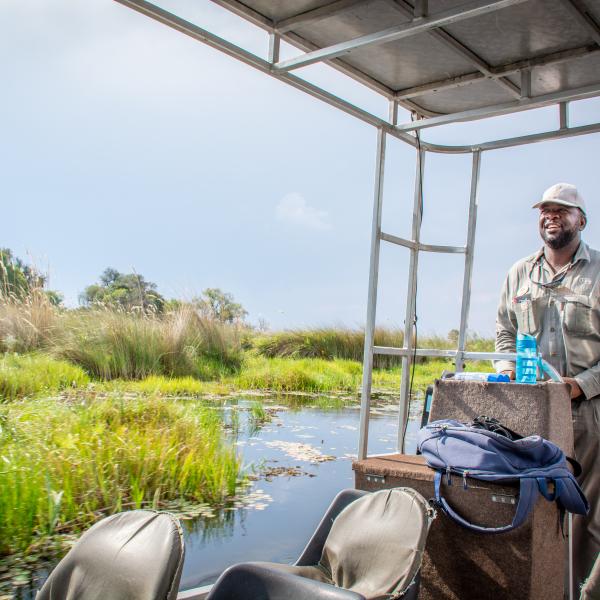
557 201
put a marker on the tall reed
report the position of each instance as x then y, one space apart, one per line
27 323
112 344
64 465
300 374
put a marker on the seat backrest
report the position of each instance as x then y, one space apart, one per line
376 543
135 555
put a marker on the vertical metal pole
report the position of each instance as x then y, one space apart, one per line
526 83
365 401
411 301
563 108
467 278
274 44
570 567
393 112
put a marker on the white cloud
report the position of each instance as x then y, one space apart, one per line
293 209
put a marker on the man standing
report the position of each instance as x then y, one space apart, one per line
554 295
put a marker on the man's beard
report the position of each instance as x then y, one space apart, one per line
564 238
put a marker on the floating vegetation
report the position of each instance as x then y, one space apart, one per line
269 473
299 451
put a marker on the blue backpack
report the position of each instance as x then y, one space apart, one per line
451 447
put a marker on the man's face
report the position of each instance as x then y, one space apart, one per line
560 225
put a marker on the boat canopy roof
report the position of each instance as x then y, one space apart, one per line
449 60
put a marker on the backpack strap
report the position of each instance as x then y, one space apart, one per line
567 494
528 494
543 486
570 496
577 470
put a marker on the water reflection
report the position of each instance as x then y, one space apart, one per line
295 449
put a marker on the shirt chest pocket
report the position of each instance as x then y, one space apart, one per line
577 316
527 319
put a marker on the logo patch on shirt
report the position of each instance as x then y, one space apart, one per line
582 285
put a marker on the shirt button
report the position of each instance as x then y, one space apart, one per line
552 330
553 353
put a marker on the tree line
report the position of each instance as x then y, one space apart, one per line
128 291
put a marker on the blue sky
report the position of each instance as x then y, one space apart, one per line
127 144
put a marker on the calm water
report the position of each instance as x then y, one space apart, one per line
287 508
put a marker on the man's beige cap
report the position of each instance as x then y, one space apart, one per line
562 193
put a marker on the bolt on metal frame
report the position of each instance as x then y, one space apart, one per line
421 22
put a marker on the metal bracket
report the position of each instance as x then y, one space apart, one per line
504 499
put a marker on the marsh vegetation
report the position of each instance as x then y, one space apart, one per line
104 408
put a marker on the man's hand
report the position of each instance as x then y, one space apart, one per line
575 389
510 373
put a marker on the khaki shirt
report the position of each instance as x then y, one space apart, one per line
562 311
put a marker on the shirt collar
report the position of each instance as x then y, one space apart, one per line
582 253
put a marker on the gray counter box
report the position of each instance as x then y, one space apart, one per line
527 563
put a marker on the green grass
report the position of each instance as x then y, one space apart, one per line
33 374
340 342
288 375
111 344
319 375
38 375
62 465
327 343
258 414
166 386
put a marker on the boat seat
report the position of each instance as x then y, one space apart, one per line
367 546
135 555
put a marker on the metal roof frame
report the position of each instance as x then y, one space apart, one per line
292 28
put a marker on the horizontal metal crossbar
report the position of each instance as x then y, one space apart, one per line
436 353
387 237
414 27
540 137
199 593
495 72
588 91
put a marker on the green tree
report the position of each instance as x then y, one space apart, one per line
219 305
18 279
123 290
453 336
55 298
